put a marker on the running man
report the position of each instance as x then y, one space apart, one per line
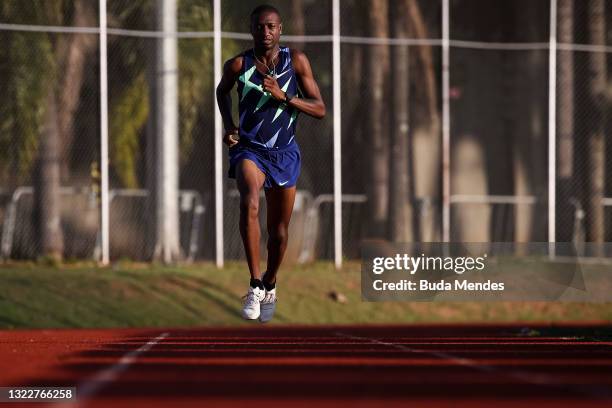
275 84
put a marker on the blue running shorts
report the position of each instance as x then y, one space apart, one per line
280 166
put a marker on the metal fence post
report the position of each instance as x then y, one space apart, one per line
104 202
337 136
217 138
552 123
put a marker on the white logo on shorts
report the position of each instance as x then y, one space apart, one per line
283 183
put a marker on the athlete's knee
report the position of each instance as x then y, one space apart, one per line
249 204
279 235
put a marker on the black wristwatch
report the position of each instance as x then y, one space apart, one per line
288 97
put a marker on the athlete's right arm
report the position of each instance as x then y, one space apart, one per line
231 71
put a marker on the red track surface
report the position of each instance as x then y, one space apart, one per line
276 366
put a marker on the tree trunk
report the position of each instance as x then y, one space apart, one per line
419 30
70 52
597 89
501 169
565 120
47 191
73 57
427 185
400 228
566 90
375 115
297 22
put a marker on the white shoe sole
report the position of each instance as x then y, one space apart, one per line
249 317
266 318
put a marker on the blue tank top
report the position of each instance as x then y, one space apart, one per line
264 121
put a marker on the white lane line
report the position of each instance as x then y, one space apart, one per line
445 356
94 384
529 378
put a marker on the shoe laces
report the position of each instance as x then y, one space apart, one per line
270 298
250 298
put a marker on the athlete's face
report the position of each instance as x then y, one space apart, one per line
266 30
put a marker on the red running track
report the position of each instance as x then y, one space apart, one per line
286 366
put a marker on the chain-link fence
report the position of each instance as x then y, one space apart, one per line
502 169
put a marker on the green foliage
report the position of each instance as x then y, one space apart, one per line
128 116
27 68
131 14
195 70
128 88
129 113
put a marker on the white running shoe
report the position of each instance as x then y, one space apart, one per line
251 307
268 305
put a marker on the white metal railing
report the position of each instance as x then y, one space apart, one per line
312 222
190 201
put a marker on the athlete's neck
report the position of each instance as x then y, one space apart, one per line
266 55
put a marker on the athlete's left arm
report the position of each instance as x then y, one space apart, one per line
312 103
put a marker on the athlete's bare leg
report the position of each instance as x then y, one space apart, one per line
279 203
250 180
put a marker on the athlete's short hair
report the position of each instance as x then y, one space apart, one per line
264 8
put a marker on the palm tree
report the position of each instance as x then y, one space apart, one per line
33 64
26 64
70 53
47 183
